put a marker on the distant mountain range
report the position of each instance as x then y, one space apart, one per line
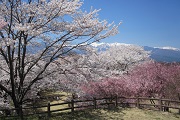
164 54
161 54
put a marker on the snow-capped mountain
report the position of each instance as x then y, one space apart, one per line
168 48
95 44
161 54
164 54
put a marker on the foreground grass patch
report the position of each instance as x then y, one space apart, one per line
140 114
118 114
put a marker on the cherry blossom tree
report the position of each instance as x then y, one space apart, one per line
108 87
115 60
148 79
38 38
155 79
106 67
121 57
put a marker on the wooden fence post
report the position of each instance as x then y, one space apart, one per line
49 110
160 104
95 103
116 101
111 98
179 100
138 104
72 105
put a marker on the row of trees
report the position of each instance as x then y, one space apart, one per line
32 63
94 65
44 45
149 79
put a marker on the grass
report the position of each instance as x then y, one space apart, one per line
116 114
119 114
102 114
63 97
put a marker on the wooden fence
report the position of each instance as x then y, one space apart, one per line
108 102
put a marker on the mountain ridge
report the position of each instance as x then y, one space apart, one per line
160 54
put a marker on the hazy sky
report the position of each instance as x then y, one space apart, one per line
154 23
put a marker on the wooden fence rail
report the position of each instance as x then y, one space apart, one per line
95 103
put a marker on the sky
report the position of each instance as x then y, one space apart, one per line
154 23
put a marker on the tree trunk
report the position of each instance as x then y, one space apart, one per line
18 107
